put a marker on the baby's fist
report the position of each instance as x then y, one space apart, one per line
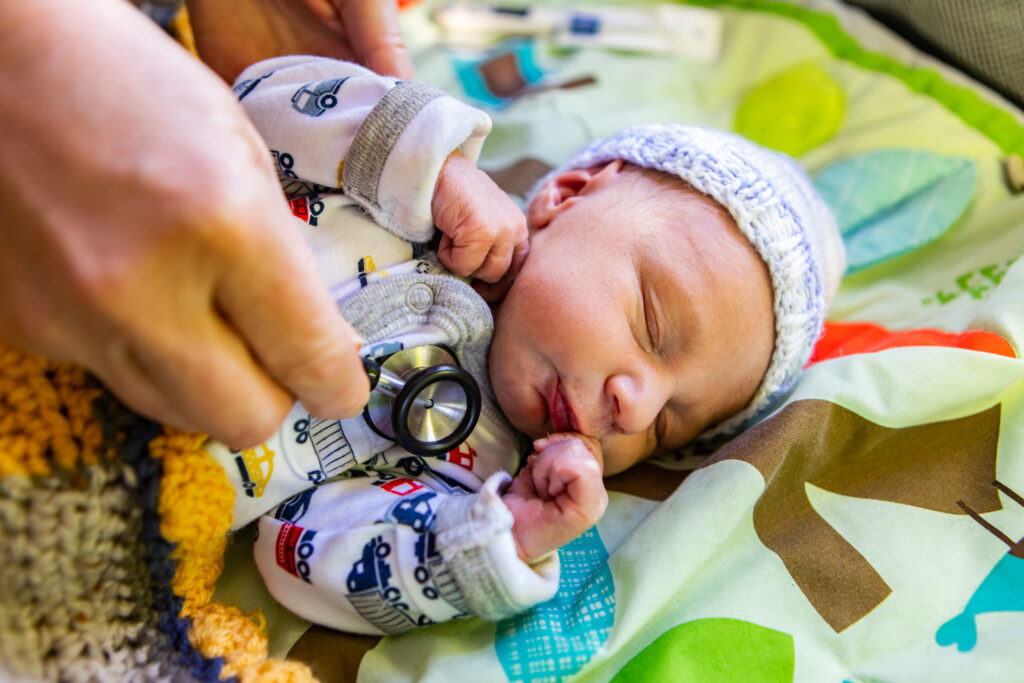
484 233
557 496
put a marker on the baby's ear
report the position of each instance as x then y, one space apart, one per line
560 192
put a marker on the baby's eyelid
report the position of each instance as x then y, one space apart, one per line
651 322
639 326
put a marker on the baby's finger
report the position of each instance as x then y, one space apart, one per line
559 474
545 442
585 487
496 263
510 247
541 477
522 484
494 292
462 256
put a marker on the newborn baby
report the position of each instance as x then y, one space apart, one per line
675 282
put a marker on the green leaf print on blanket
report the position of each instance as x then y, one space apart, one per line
891 201
556 638
793 112
713 650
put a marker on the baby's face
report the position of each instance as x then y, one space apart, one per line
641 317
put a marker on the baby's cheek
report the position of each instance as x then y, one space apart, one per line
622 451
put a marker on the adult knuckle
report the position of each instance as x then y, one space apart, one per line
253 431
352 400
326 380
105 287
219 211
315 366
222 225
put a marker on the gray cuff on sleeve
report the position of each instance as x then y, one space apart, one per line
474 536
376 138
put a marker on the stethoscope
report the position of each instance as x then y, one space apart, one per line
422 399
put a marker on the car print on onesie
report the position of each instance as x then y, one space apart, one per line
293 548
371 592
314 100
414 512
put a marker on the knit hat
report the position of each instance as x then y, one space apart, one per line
778 210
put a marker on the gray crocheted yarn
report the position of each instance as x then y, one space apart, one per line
76 602
778 210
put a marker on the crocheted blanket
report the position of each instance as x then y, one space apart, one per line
869 530
112 534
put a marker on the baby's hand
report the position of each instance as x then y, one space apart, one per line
557 496
483 232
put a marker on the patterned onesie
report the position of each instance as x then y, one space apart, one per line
354 532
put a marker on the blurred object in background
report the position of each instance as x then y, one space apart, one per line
689 32
160 11
983 38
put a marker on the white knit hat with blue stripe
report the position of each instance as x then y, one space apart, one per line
776 207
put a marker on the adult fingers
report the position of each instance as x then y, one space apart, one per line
206 381
275 298
371 26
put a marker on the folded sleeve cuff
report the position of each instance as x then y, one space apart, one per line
397 154
474 536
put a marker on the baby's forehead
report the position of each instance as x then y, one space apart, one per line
673 188
679 207
686 236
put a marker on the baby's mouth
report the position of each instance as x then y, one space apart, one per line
562 417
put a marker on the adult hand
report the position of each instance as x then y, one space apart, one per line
232 34
144 234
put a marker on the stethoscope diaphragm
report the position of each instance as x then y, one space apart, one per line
422 399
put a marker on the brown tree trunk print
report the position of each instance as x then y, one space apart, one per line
932 466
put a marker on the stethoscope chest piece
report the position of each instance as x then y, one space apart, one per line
422 399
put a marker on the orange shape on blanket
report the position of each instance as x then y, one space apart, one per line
845 339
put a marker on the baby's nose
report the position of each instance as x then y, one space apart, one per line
635 403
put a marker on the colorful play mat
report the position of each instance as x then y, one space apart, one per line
870 530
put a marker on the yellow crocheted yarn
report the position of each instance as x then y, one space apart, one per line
223 630
195 506
45 416
195 513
